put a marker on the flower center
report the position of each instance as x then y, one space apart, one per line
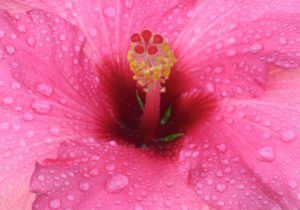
158 105
150 59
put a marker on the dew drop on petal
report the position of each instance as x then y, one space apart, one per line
70 197
4 126
265 154
218 69
28 117
210 87
10 49
110 12
283 41
2 33
84 186
8 100
288 136
44 89
256 47
41 106
116 183
231 53
292 184
54 130
220 188
30 41
21 28
129 3
221 147
55 204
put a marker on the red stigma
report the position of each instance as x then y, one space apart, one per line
146 34
136 38
158 39
139 49
152 50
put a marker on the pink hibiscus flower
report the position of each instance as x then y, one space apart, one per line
138 104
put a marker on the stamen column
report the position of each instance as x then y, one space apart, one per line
150 59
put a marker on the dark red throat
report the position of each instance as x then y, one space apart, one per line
123 119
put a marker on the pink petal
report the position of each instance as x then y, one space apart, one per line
230 44
108 25
90 174
40 103
248 157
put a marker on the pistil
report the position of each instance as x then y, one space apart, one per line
151 116
150 59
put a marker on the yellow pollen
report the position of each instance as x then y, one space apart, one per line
150 59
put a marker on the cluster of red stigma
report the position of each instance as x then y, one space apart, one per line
146 42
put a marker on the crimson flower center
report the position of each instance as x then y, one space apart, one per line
151 104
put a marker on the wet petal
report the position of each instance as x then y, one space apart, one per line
230 45
249 155
110 176
220 177
40 103
108 25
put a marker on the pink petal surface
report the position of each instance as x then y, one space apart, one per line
40 103
248 157
244 158
108 25
225 46
228 45
229 54
93 175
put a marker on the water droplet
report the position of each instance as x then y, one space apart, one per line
1 53
298 196
8 154
293 184
116 183
265 154
10 49
70 197
231 53
110 12
84 186
8 100
231 40
30 41
55 204
221 188
41 106
210 87
222 147
21 28
129 3
93 32
15 85
62 37
283 41
28 117
218 69
4 126
44 89
256 47
288 136
2 33
266 135
41 178
54 130
110 167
